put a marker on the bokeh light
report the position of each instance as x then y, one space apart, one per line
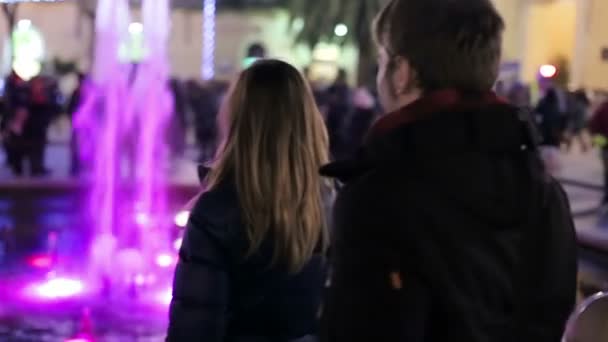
548 70
142 219
40 261
341 30
58 288
165 296
164 260
177 244
181 218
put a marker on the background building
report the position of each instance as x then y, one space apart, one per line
569 33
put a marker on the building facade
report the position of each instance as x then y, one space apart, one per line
574 32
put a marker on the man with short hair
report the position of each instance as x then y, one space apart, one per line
447 227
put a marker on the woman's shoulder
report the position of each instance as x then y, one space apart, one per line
218 205
216 211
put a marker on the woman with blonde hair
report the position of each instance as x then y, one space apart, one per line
251 265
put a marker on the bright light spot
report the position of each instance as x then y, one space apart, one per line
136 28
164 260
181 219
341 30
27 69
298 24
24 24
165 296
40 261
248 61
177 244
140 280
58 288
548 70
79 339
326 52
142 219
28 51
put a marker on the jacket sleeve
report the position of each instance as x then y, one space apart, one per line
370 298
200 289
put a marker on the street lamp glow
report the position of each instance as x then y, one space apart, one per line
548 70
341 30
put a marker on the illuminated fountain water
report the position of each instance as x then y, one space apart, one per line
120 127
123 119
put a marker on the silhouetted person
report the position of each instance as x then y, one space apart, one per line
338 109
361 119
74 103
447 227
577 119
551 129
599 126
177 123
16 97
318 92
205 102
43 108
519 95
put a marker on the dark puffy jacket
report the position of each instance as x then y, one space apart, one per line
448 229
219 295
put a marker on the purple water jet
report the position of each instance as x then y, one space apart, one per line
121 125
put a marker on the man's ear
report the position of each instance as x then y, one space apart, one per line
401 75
405 78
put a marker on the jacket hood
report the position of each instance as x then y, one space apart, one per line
442 122
463 149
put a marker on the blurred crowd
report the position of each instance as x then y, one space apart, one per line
28 108
562 117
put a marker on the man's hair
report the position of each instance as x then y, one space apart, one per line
448 43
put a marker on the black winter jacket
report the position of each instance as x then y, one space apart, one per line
448 229
219 295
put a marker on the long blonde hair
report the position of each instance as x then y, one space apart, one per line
274 141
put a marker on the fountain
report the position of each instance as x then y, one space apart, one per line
123 118
125 213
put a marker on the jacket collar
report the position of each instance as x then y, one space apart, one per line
440 101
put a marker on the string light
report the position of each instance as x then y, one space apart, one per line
208 63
